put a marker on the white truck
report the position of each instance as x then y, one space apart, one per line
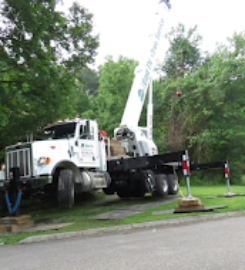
75 156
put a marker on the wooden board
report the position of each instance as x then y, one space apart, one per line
116 149
15 220
16 228
191 202
3 229
15 224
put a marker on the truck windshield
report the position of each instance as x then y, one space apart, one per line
59 132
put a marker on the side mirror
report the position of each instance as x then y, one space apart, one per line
88 126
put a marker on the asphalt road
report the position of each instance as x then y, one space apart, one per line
217 244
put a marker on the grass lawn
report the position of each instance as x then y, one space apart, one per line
87 206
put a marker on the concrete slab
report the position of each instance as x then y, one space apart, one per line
133 210
169 211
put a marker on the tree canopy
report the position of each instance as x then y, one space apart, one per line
41 51
209 118
114 85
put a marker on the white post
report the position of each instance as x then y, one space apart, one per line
227 176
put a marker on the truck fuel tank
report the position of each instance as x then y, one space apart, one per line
93 180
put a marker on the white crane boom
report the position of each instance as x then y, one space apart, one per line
141 81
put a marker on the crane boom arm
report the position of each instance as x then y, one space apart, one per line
141 81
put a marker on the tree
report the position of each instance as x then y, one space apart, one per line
41 50
182 60
183 56
87 82
114 85
209 118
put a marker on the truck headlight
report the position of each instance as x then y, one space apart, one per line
44 160
3 167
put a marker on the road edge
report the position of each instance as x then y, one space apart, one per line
129 227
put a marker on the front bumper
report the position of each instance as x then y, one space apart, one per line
33 183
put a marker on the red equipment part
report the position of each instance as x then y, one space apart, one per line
103 135
178 93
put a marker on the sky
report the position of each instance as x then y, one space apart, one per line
125 26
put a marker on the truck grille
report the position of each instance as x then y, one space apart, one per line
19 158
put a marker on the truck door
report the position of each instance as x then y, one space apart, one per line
88 145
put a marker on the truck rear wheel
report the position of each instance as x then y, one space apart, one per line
138 193
109 191
161 185
124 193
173 187
150 181
66 192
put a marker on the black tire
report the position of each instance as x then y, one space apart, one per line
138 193
161 185
173 186
124 193
150 181
66 193
109 191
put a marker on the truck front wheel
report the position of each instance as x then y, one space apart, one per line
66 192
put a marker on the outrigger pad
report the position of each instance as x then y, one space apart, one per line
14 224
223 196
205 209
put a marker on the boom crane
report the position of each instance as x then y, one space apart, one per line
138 140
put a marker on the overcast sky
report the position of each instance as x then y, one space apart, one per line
124 26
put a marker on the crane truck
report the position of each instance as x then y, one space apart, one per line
74 156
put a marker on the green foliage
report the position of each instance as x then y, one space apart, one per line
114 85
183 56
209 118
87 82
41 49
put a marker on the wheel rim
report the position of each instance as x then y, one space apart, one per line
164 185
72 194
175 186
150 182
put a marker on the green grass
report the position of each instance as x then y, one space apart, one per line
243 180
88 205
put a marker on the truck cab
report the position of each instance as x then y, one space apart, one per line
70 158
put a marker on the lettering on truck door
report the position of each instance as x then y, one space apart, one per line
87 146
